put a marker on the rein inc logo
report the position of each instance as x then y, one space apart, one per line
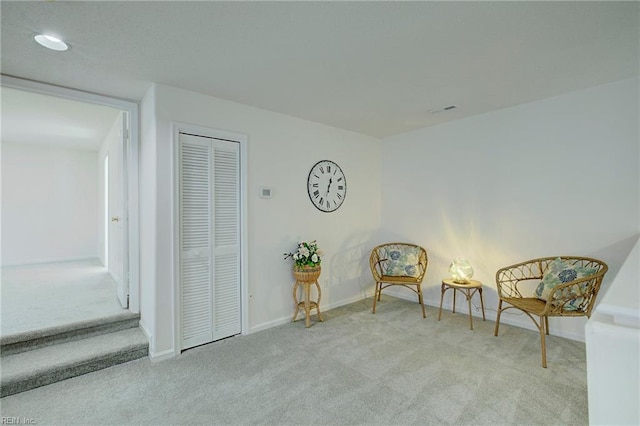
16 421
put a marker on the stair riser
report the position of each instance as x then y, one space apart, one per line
13 387
67 336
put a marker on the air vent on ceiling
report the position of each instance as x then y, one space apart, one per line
443 109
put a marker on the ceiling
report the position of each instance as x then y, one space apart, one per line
376 68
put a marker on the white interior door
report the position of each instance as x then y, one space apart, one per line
209 228
117 213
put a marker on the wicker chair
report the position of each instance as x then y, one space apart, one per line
388 271
571 299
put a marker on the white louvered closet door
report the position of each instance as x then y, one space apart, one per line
209 239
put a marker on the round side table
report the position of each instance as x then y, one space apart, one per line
468 289
306 304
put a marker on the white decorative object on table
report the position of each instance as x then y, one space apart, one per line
461 270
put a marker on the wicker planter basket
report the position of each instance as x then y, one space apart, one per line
306 273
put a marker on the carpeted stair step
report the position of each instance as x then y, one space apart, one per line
21 342
39 367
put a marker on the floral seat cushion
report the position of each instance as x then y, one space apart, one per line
402 261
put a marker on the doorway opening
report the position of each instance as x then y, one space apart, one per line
57 239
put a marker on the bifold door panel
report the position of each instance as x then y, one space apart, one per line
209 229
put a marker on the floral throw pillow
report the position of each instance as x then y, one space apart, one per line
402 262
561 272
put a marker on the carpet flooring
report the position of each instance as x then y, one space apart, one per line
46 295
355 368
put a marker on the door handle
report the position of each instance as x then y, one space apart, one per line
115 219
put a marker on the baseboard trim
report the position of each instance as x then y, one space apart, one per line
45 261
162 356
145 330
339 303
153 355
507 318
269 324
283 320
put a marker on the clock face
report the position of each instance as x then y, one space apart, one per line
327 186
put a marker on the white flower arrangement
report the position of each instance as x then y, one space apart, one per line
307 254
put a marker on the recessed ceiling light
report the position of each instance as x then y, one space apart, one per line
51 42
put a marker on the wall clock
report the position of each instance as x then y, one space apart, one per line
327 186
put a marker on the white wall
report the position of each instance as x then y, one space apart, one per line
553 177
281 150
49 204
558 176
147 179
